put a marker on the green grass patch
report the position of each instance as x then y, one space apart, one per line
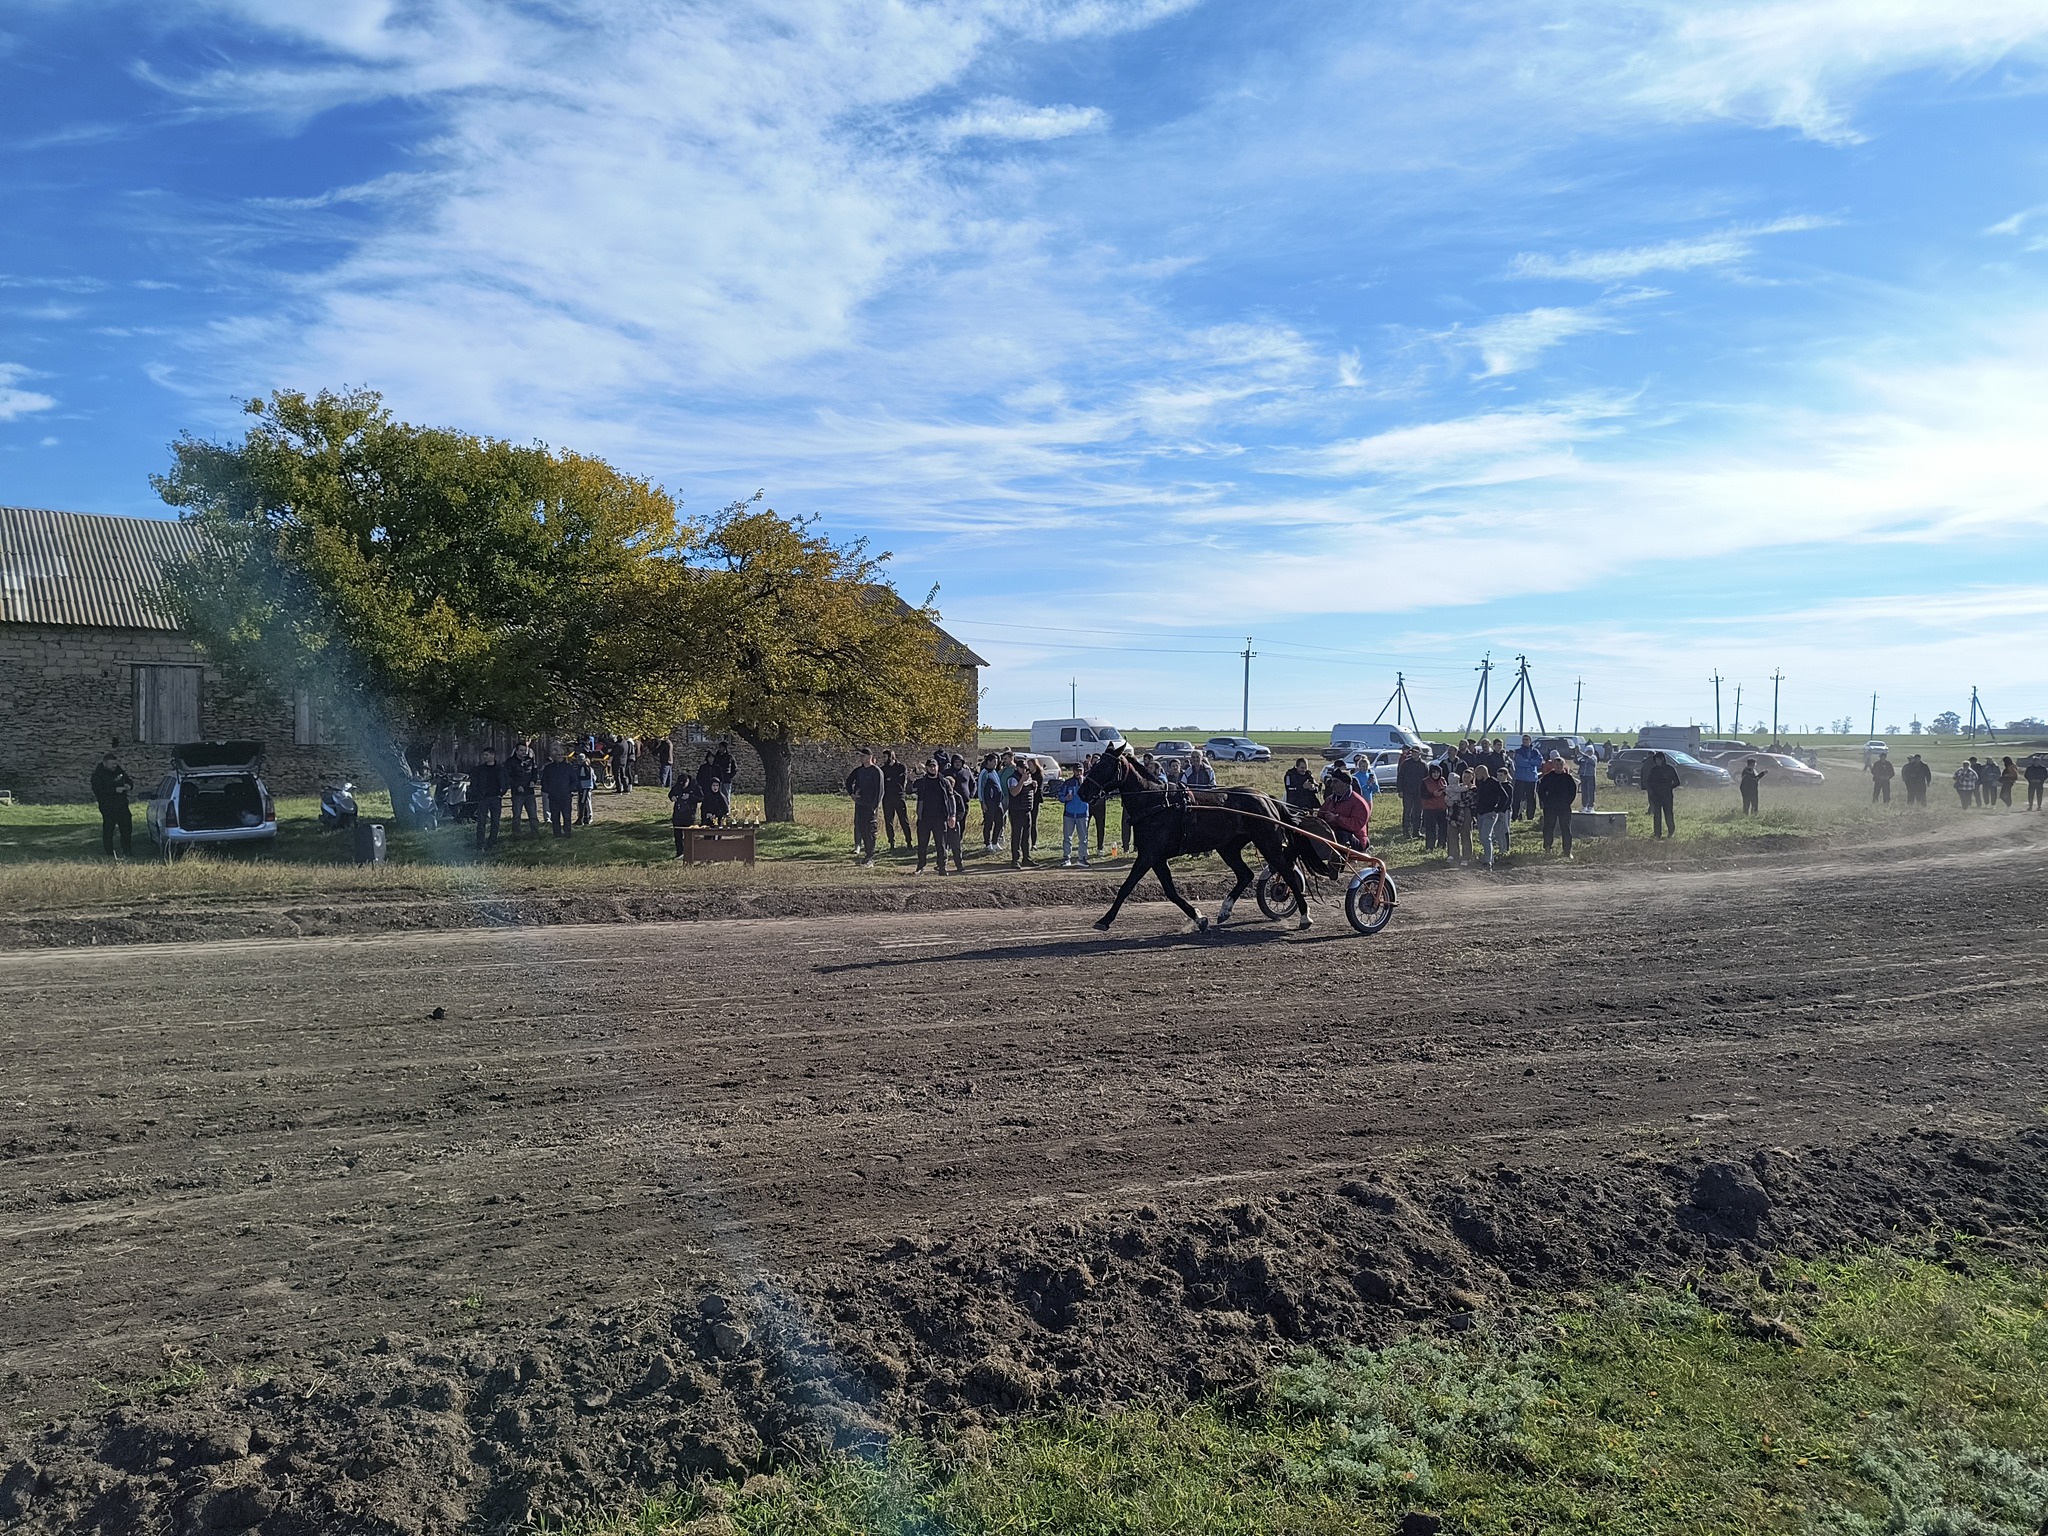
1917 1406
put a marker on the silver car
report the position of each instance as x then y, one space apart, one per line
1235 749
212 795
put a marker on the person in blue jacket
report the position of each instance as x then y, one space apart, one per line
1528 766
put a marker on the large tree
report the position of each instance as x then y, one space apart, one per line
412 578
805 641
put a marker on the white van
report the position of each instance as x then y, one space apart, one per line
1069 741
1347 741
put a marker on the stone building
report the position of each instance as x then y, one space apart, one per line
86 663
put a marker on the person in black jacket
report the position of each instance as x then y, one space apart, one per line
865 785
559 782
1660 782
895 778
1556 792
938 814
962 775
1408 779
682 809
1300 786
714 791
726 767
1916 776
1491 800
487 785
522 777
1752 780
1020 789
110 786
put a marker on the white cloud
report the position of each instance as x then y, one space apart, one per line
1932 449
15 401
1470 447
1717 250
1800 64
1511 343
999 117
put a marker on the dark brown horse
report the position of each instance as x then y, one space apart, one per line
1169 822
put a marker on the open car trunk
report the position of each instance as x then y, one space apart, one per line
217 802
244 755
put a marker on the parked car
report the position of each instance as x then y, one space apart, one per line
1347 741
1049 766
1782 766
1236 749
1873 750
1073 738
1164 750
1626 768
213 794
1385 767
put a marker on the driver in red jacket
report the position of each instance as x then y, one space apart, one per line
1348 812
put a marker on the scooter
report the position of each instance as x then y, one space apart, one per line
338 806
452 797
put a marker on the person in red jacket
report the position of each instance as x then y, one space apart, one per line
1347 812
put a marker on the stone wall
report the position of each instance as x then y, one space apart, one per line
66 693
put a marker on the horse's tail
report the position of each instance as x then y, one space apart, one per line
1309 840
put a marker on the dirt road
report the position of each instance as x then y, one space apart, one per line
257 1154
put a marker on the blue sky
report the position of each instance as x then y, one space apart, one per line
1648 340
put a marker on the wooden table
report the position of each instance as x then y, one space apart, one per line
716 845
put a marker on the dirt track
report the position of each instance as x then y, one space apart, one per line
266 1155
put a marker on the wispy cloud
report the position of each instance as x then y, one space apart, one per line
1722 249
15 401
1801 64
1511 343
1472 447
1000 117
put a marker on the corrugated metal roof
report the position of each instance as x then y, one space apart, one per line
84 568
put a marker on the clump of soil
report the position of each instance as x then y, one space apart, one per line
580 1417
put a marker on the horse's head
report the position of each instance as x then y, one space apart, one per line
1108 770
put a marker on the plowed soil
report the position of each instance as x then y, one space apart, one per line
423 1232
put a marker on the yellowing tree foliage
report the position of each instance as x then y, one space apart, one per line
807 642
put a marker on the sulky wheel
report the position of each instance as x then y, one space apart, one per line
1369 904
1275 899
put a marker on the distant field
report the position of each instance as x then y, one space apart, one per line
1953 748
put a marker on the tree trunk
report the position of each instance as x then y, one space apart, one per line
778 800
398 779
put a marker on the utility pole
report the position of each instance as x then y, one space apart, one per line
1479 697
1717 680
1249 653
1738 709
1578 697
1399 702
1979 713
1873 716
1524 693
1074 696
1776 678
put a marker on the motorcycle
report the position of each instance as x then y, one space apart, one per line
338 806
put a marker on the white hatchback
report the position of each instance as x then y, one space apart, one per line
212 795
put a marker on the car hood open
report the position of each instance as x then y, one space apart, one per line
238 756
